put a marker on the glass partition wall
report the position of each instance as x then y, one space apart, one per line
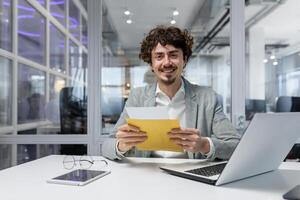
43 74
273 58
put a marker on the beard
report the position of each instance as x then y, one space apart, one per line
168 81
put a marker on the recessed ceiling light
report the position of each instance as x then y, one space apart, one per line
272 57
175 12
127 12
128 21
173 21
265 60
275 63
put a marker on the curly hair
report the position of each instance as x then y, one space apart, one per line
166 35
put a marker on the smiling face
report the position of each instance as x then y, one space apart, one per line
167 63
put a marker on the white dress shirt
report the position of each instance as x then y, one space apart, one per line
176 110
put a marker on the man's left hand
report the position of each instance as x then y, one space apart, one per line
190 140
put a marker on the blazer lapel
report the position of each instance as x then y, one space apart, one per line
191 106
149 99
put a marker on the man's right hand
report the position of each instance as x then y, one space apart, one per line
129 136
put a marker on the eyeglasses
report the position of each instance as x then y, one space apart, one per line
85 162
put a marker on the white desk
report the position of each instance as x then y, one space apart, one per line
139 180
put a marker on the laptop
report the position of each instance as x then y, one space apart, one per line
264 145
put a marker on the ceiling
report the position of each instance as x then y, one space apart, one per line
145 15
198 16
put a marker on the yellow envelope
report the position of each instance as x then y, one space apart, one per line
156 130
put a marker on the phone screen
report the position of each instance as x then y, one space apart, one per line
80 175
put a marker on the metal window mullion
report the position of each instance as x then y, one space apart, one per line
237 41
67 44
67 64
44 139
6 129
15 68
39 67
94 74
31 125
80 28
7 54
14 81
81 8
47 54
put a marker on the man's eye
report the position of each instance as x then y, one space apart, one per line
174 56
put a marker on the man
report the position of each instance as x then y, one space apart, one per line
205 131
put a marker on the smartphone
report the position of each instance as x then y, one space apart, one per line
78 177
293 194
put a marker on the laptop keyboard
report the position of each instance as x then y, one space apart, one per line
208 171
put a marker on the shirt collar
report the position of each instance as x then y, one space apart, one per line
179 93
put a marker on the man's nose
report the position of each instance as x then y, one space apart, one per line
167 61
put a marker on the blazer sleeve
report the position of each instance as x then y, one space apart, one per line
108 148
224 136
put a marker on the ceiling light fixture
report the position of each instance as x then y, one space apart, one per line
128 21
127 12
275 63
272 57
173 21
265 60
175 12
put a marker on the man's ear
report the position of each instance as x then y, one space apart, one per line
152 69
185 62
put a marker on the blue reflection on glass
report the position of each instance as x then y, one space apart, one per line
31 33
58 10
74 18
25 8
25 16
57 2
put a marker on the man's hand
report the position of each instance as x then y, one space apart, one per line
190 140
129 136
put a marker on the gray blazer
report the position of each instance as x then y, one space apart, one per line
202 112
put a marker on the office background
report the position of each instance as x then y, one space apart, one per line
67 66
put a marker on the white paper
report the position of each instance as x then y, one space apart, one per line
159 112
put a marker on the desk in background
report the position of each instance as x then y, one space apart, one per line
139 179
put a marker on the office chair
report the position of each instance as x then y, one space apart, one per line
73 119
290 104
254 106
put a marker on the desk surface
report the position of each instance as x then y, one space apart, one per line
139 179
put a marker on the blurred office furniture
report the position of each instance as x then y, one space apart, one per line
254 106
31 108
290 104
73 118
